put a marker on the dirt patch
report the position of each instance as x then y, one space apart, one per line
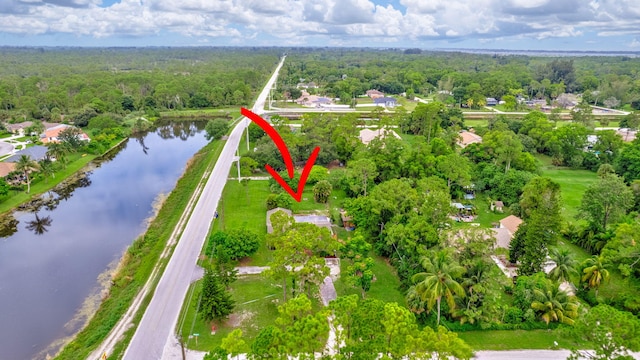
237 319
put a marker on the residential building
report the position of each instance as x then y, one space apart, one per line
367 135
51 135
467 138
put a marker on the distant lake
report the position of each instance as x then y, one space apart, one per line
51 264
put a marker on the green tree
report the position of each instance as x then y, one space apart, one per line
594 273
439 280
504 146
361 173
298 249
322 191
611 333
567 144
361 274
224 267
530 243
583 114
628 163
624 249
237 243
554 305
46 169
216 128
25 165
216 303
4 187
606 201
58 151
454 168
565 265
233 343
70 137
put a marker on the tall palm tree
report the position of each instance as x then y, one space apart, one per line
475 277
58 151
554 304
46 169
26 165
565 265
594 273
438 280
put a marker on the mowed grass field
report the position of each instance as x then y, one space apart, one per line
573 184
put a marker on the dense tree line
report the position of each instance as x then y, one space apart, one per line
45 84
464 78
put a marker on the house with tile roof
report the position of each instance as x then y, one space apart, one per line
507 230
18 129
367 135
466 138
51 134
6 168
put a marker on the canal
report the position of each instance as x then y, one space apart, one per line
56 257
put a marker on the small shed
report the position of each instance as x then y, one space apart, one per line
497 206
347 221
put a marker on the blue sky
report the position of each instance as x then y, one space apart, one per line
592 25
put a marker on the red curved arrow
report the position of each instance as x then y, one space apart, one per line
286 156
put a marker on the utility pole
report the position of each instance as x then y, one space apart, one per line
237 158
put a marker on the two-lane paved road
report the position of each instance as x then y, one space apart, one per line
161 316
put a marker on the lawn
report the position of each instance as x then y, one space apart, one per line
573 184
486 217
256 299
476 122
386 287
516 339
245 207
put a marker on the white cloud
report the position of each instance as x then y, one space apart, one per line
300 22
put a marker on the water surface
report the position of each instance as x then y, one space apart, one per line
51 264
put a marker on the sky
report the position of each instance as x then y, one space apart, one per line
584 25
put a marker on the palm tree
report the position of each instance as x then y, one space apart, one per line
565 265
58 151
475 277
25 165
594 273
46 169
554 304
439 280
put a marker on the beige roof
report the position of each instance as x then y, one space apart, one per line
366 135
503 237
52 134
511 223
18 126
6 168
467 138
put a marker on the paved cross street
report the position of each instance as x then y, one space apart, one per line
156 329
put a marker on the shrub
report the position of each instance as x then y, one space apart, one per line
322 191
513 315
282 200
317 174
237 243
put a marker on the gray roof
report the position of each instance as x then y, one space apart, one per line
384 100
36 153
